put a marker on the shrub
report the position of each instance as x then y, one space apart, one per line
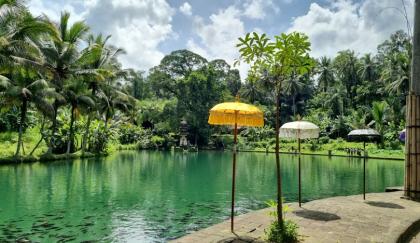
324 140
313 145
98 139
157 141
286 233
129 134
393 145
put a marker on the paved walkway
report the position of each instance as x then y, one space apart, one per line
383 217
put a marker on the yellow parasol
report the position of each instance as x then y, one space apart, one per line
236 114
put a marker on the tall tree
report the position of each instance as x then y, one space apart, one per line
325 71
22 90
277 60
75 92
60 57
293 86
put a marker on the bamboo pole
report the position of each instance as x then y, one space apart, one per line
232 212
300 177
412 168
364 170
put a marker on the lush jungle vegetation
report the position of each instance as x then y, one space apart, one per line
63 91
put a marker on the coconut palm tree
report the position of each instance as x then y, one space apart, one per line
61 58
396 73
251 91
101 57
347 66
78 98
325 71
293 86
22 90
21 86
367 70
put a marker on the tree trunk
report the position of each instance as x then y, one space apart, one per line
71 132
279 200
106 120
42 136
294 105
53 128
23 110
86 134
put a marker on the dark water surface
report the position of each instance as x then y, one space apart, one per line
155 196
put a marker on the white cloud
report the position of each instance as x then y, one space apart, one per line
186 9
53 9
218 38
257 9
136 26
344 24
139 27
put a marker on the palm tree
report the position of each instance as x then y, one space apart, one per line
379 111
367 70
77 97
21 86
112 100
347 65
337 100
22 90
293 86
396 73
61 58
326 74
251 90
100 57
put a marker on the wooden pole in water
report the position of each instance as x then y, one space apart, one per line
300 178
412 144
364 170
232 213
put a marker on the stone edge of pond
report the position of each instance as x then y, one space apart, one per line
377 219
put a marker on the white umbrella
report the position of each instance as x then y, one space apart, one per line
299 130
364 135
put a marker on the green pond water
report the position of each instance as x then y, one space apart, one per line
156 196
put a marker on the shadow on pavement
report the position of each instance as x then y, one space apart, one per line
240 239
384 204
316 215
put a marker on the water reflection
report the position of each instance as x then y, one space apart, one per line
154 196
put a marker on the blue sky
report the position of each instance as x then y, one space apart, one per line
150 29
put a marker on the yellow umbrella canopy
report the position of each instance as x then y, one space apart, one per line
235 113
231 113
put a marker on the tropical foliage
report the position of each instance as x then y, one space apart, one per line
58 78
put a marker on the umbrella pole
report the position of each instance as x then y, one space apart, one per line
300 178
364 170
232 213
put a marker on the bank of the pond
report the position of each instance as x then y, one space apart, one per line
48 157
114 148
382 217
337 147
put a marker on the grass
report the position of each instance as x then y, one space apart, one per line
31 137
337 147
8 141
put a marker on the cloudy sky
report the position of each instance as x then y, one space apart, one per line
150 29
